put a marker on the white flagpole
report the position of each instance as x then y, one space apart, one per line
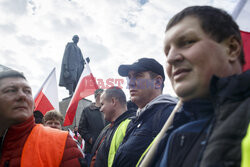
238 8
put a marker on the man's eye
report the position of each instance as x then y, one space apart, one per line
188 42
166 53
10 90
166 50
139 75
27 91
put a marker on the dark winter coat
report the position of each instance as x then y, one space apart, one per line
91 124
185 143
231 97
142 130
103 149
216 143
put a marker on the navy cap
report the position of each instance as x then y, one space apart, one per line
141 65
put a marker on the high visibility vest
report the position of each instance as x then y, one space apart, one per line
44 147
117 140
245 147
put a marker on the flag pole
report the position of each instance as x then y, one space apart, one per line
238 8
149 157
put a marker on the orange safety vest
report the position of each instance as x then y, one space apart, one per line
44 147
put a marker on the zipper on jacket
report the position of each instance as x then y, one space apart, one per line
182 140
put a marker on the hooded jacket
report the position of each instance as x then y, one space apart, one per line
143 129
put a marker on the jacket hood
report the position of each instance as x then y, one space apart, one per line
164 98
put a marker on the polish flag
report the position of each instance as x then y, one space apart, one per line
47 97
86 86
246 46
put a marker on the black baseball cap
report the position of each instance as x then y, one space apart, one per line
143 64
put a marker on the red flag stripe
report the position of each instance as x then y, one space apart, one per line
246 45
42 103
47 98
85 87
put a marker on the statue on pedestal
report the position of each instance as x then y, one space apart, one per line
72 66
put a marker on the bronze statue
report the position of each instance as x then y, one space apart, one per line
72 66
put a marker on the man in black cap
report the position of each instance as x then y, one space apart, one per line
146 82
91 124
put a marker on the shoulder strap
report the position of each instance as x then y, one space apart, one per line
45 146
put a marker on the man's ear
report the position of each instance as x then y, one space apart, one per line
233 48
158 82
113 100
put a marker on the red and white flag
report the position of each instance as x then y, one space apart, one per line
246 46
86 86
47 97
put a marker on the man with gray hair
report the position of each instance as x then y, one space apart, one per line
21 138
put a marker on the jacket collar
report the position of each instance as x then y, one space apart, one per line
198 108
124 116
233 88
17 131
163 98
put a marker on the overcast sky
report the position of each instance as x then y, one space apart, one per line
34 33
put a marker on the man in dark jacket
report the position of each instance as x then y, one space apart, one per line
146 78
21 138
91 124
204 54
114 108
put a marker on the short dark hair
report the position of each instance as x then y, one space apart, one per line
53 115
215 22
117 93
11 74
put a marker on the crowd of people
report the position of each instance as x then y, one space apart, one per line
206 125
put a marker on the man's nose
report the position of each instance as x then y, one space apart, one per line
132 83
21 94
174 56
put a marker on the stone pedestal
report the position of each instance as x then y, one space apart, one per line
63 105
